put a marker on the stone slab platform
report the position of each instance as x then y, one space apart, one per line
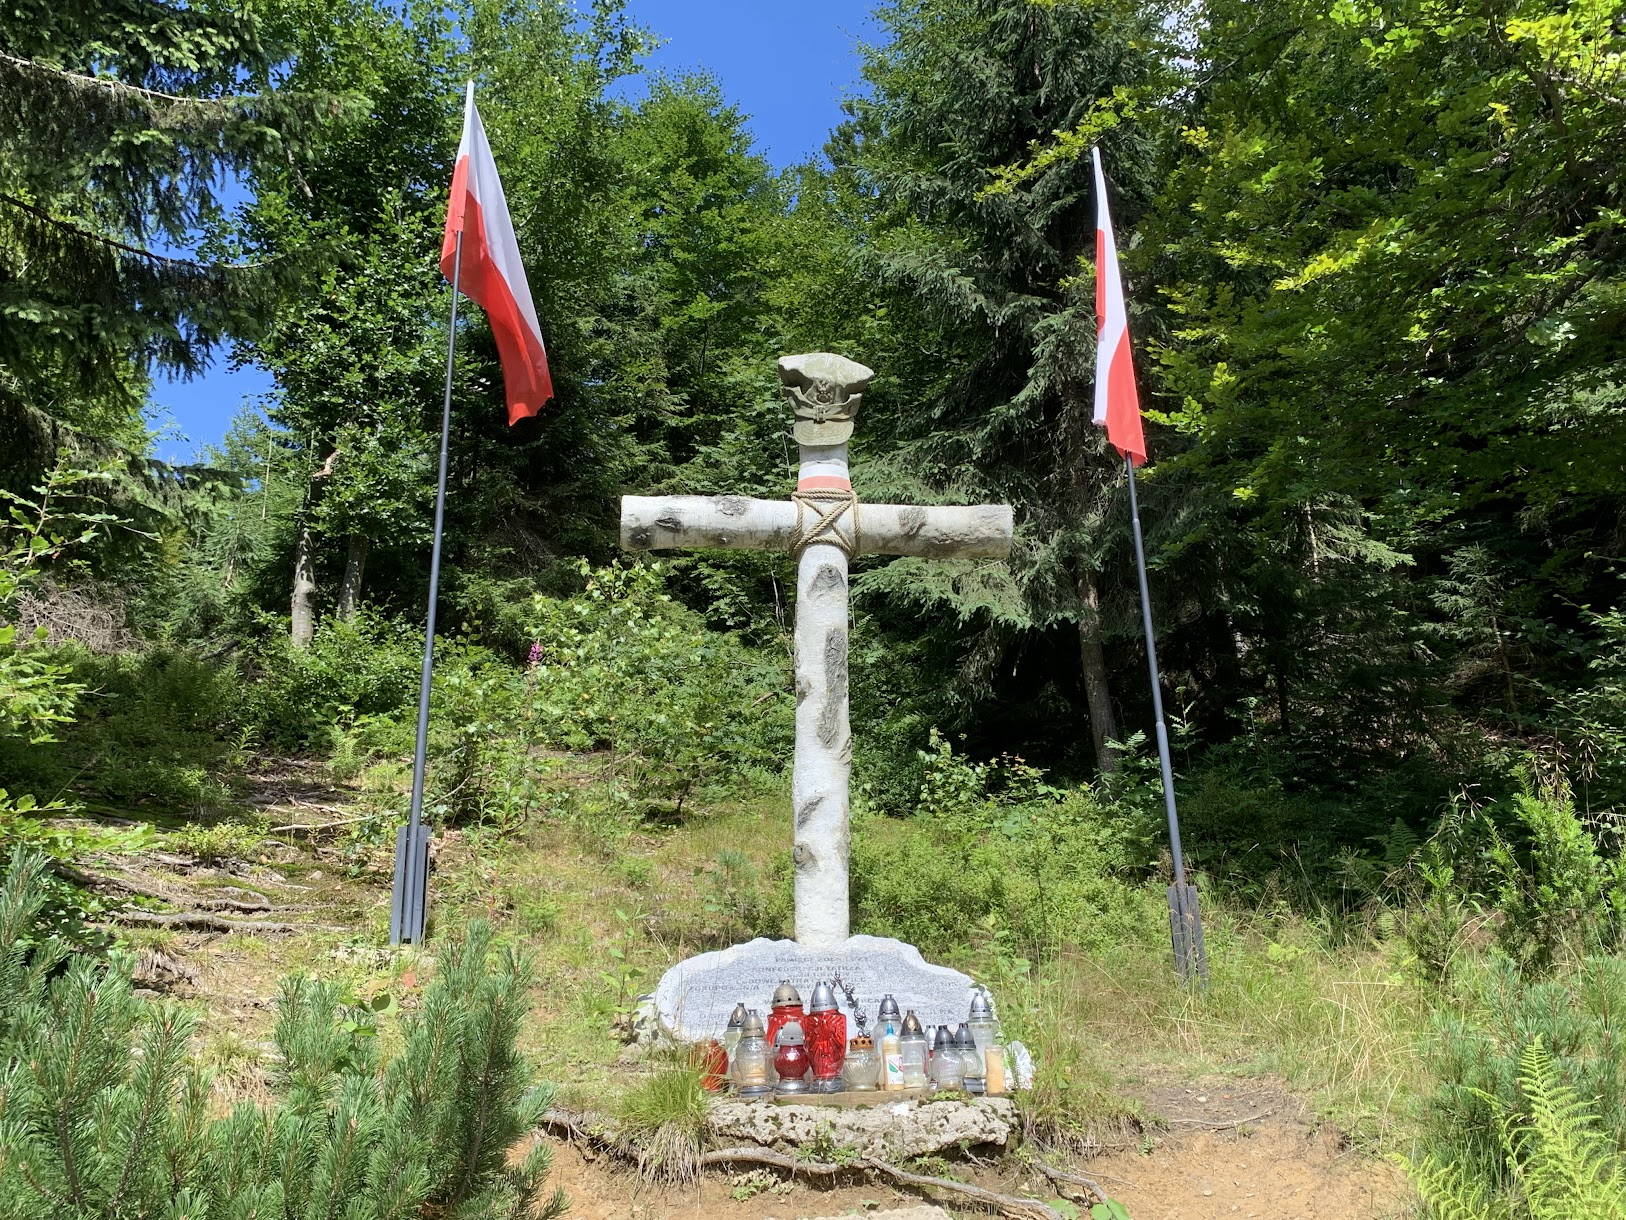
893 1132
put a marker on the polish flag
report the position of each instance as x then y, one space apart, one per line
491 274
1117 407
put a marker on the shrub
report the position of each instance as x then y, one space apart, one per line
995 850
677 710
105 1115
1580 1018
368 665
1564 1167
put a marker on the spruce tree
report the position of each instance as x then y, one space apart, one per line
122 119
992 345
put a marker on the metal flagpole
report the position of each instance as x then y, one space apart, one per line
1185 921
410 898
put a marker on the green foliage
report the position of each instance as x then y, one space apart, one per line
1576 1017
1556 892
676 710
106 1116
215 842
665 1117
36 692
366 666
126 118
1565 1168
996 854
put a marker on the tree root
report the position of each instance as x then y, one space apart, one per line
102 881
576 1125
1224 1125
201 921
1009 1205
1065 1177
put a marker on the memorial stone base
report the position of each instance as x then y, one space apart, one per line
695 997
891 1131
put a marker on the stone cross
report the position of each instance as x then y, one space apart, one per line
824 526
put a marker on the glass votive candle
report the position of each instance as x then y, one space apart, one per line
862 1070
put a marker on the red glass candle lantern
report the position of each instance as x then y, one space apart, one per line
711 1057
787 1006
826 1028
790 1058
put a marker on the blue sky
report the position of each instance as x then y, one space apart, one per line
785 64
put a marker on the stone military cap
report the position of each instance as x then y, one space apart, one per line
824 390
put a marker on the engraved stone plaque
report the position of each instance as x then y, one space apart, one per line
695 996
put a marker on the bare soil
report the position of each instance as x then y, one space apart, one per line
1228 1150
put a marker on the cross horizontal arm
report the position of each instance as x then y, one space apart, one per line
663 523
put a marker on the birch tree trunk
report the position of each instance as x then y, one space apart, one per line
355 564
302 605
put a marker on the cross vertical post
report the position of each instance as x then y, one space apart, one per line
822 773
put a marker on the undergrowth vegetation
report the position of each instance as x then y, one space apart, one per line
618 793
106 1114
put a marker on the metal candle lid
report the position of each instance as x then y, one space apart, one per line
945 1039
980 1009
824 999
753 1027
889 1007
862 1043
786 994
736 1019
790 1034
963 1038
911 1026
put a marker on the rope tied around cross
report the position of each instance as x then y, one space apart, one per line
834 519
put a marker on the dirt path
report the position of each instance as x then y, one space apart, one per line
1230 1151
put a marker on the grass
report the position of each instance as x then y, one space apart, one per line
664 1116
606 903
1342 1025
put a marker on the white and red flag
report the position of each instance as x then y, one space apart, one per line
1117 406
491 274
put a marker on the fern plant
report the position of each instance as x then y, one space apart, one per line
1563 1167
103 1115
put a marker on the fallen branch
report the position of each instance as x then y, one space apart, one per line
202 921
1010 1205
102 881
1220 1126
316 827
1070 1178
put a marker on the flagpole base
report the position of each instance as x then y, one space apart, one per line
409 899
1186 931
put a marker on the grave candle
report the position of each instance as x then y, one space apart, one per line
912 1052
861 1073
826 1039
948 1069
971 1065
981 1022
731 1035
790 1058
751 1058
786 1006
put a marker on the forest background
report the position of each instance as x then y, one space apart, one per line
1377 278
